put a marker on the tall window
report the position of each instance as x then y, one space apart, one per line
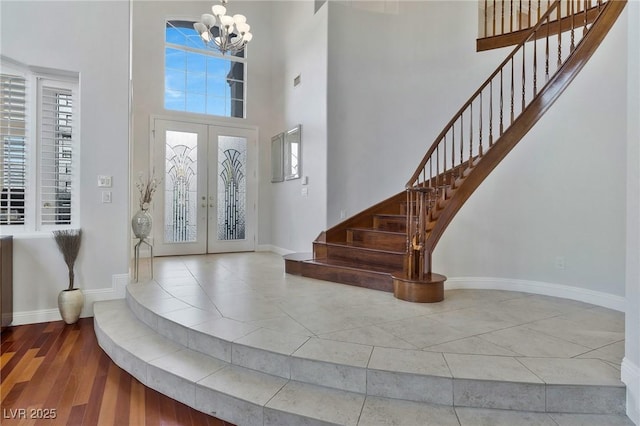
38 151
198 80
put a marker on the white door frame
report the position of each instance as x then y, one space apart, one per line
227 128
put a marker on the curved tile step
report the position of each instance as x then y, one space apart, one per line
496 382
248 397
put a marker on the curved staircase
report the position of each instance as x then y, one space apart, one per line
367 249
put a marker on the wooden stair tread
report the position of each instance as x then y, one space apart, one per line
392 215
379 231
357 246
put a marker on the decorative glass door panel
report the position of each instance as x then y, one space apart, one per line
231 221
180 187
206 201
180 210
232 188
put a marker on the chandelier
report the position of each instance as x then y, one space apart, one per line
223 32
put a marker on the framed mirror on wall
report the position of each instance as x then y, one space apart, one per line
277 157
293 153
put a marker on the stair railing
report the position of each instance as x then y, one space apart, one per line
502 17
484 118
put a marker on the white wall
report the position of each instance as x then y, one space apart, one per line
296 220
631 362
394 82
62 35
559 193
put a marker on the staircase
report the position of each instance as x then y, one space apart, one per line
364 250
389 246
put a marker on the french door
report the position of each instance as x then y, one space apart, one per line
206 201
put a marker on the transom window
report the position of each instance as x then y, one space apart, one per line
199 80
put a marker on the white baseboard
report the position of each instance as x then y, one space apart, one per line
606 300
116 291
630 375
274 249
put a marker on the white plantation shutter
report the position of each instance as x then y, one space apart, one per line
13 149
57 150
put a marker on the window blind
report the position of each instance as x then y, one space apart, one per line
13 150
56 146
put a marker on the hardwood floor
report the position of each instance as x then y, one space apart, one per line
56 374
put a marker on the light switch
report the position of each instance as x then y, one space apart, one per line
106 196
104 181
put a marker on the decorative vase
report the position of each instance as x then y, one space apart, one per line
141 224
70 304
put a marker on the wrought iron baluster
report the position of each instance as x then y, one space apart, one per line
585 16
573 16
546 60
511 16
480 125
559 44
535 66
501 104
494 18
524 78
491 113
461 138
513 91
502 17
471 134
486 17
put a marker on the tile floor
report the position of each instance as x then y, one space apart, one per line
245 295
473 334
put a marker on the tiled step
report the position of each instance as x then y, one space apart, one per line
497 382
387 386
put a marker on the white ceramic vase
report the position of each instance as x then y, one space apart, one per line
70 304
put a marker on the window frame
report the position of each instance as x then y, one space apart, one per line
207 53
35 77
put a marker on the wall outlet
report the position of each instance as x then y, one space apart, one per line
343 214
560 262
305 191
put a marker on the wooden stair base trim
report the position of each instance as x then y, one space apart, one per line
425 291
429 290
293 262
347 274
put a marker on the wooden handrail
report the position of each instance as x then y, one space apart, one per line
473 97
495 118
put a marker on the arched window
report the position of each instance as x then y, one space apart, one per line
199 80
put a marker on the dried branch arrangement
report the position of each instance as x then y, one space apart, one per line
68 241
